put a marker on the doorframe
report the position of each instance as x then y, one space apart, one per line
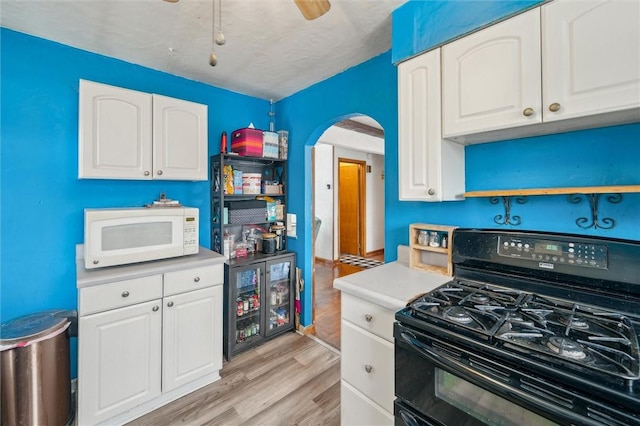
362 200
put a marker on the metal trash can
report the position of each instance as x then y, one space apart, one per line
35 386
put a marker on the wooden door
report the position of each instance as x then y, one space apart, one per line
351 203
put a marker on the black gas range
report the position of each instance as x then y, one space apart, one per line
535 328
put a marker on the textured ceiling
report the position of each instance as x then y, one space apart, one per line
271 51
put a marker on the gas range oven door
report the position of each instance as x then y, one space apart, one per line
445 384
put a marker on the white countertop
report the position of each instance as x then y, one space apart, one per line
91 277
390 285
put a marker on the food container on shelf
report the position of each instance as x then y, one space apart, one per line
247 142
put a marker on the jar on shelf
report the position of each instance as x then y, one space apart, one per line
423 237
434 239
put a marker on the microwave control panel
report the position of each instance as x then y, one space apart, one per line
190 231
559 252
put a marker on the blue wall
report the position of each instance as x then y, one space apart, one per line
420 25
42 198
607 156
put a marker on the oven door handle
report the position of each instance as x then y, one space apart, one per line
443 360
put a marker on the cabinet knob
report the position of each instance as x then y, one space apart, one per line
196 279
554 107
431 191
368 368
528 112
155 308
368 317
146 172
125 294
95 262
170 304
159 172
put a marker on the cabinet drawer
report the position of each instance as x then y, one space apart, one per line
367 364
193 279
358 410
120 293
371 317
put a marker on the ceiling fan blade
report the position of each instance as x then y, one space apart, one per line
312 9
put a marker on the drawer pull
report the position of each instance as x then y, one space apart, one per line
155 308
125 294
170 304
368 317
196 279
368 368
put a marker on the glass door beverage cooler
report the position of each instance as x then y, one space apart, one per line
259 301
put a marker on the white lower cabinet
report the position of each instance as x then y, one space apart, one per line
192 335
367 363
142 345
119 360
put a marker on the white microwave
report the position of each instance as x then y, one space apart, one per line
119 236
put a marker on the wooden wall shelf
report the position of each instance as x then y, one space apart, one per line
438 258
615 189
591 193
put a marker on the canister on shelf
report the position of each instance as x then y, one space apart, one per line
268 243
279 230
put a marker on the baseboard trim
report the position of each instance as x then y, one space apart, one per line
379 252
310 329
325 261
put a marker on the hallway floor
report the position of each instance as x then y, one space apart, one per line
327 299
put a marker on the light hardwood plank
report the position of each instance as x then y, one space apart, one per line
290 380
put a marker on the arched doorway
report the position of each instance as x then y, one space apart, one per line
357 142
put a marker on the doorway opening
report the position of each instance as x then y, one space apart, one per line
351 203
348 202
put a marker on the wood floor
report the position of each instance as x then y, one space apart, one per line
291 380
327 299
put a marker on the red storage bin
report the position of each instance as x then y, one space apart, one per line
247 142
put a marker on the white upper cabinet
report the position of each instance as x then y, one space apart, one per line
591 57
180 139
491 79
566 65
114 132
125 134
430 168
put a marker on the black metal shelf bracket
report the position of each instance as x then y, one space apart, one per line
507 218
595 221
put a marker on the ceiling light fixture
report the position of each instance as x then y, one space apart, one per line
213 59
220 40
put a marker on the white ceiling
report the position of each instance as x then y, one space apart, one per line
271 51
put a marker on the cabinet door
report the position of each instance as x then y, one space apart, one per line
246 307
591 57
280 295
358 410
114 140
118 360
192 336
430 168
491 79
180 139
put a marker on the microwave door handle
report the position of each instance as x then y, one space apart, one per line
453 365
